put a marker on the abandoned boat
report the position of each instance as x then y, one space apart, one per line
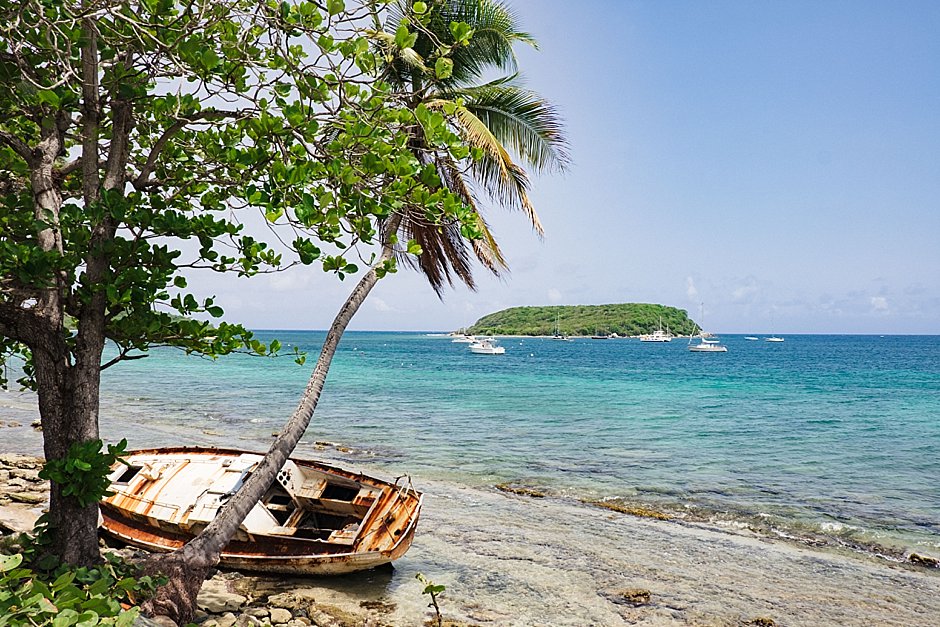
314 520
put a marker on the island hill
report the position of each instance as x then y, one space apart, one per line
625 319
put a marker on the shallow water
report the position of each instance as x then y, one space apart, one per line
829 440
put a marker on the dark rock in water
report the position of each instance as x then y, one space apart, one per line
762 621
632 596
522 491
924 560
633 510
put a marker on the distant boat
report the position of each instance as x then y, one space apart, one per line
658 335
486 347
705 345
751 337
464 339
558 334
773 337
599 336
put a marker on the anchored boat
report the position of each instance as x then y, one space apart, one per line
314 520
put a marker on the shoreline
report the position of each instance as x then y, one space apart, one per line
599 566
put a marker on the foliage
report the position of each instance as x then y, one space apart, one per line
432 589
62 597
139 138
456 59
623 319
84 472
223 111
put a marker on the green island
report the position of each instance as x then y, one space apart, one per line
622 319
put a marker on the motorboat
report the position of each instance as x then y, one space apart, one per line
751 338
315 519
487 347
658 335
773 338
464 339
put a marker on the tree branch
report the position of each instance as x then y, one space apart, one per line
202 116
18 147
122 357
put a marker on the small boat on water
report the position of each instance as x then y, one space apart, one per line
708 346
751 338
487 347
315 519
705 345
464 339
773 338
658 335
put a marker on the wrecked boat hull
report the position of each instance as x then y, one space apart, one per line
315 520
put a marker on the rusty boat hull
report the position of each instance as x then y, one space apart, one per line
315 519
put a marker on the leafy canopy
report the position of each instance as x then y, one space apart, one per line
178 122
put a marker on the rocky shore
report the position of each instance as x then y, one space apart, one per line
592 565
227 599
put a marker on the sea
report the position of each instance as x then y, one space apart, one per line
827 441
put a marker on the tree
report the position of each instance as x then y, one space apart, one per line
440 65
126 127
527 123
129 127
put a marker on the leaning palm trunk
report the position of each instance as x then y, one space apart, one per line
187 567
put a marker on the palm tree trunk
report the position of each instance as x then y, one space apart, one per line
187 567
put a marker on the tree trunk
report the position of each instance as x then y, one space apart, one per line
187 567
69 415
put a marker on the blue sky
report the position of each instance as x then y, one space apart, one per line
778 161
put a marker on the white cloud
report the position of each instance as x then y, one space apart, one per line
379 305
290 280
879 304
554 295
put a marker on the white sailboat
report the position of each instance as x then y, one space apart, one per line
558 334
705 345
773 337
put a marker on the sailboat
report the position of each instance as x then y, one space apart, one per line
558 334
705 345
773 337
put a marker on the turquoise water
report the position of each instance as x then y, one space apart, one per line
826 439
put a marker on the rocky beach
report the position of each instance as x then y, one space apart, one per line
601 567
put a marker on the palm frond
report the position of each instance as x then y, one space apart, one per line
486 249
503 180
495 31
522 121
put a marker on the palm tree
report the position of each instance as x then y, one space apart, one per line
494 117
498 117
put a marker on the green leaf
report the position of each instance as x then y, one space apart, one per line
461 32
420 8
47 96
9 562
443 68
335 7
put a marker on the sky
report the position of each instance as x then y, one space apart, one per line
778 162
